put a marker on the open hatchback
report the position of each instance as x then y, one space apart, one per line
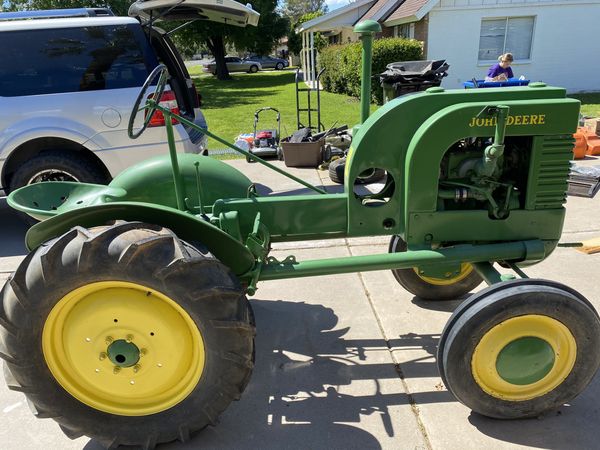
224 11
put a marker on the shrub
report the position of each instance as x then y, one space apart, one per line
342 64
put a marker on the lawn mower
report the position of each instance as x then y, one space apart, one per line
265 143
128 321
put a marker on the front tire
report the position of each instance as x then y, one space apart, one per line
520 348
126 334
253 69
279 66
429 288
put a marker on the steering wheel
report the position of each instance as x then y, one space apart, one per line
162 74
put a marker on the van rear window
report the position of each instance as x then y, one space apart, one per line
61 60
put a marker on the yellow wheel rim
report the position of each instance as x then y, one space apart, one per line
524 357
465 270
123 348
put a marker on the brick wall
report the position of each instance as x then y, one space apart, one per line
421 33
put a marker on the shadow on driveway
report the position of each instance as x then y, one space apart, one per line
13 229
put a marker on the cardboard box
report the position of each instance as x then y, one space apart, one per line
302 154
593 125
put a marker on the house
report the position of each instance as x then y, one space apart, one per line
554 41
338 23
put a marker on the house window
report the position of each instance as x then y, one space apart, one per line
506 35
334 39
406 30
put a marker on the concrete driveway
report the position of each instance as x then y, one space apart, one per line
348 361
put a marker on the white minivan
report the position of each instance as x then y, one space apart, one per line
68 80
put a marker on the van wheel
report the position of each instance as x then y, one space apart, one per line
57 165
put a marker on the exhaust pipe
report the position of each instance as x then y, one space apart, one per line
366 30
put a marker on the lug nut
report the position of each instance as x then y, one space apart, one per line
102 356
109 339
143 352
116 370
129 338
136 368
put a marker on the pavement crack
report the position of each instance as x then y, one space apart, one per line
411 399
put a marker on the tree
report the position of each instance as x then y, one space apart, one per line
215 36
295 9
295 40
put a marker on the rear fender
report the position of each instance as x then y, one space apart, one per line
229 251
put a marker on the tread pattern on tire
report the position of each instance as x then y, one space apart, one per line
336 170
82 166
518 297
201 284
338 167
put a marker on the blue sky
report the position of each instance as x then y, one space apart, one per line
335 4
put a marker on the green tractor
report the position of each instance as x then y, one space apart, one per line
128 321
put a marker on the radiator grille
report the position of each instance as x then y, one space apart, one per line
550 171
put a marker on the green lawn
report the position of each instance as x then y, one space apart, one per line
229 106
590 103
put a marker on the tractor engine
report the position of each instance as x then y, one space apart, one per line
468 183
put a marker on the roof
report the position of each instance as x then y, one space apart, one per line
333 14
387 12
411 10
381 10
55 13
373 10
28 24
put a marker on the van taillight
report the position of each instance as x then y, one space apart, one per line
167 101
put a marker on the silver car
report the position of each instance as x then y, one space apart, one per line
67 94
235 64
269 62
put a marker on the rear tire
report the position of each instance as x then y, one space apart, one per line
466 281
253 69
139 263
279 66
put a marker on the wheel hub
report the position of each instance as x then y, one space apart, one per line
524 357
123 353
52 175
525 360
123 348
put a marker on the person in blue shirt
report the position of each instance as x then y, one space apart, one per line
502 70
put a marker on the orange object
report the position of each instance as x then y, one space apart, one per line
593 144
581 146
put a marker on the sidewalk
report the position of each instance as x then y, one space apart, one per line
348 361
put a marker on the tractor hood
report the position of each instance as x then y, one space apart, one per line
223 11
